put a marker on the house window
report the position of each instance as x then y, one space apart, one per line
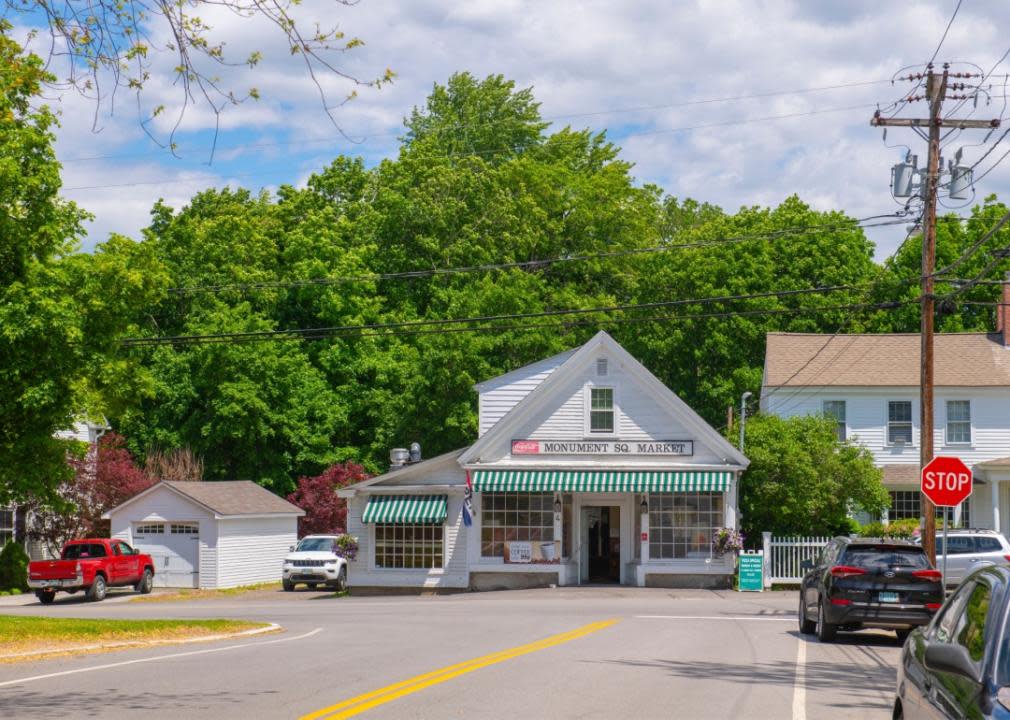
958 422
150 529
836 409
899 422
905 504
6 525
601 410
514 516
683 525
185 528
408 546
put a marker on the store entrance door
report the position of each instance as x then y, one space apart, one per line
603 543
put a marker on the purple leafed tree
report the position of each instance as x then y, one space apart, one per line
325 513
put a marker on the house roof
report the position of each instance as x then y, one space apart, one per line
901 474
892 360
602 340
225 498
401 473
1003 462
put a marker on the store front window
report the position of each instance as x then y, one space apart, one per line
408 546
514 516
682 525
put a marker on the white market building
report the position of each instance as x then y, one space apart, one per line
586 469
209 535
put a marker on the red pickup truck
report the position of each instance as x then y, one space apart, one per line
92 565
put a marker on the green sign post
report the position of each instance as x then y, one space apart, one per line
751 572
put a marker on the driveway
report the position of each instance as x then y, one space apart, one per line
559 653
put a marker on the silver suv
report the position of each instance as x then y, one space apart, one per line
969 549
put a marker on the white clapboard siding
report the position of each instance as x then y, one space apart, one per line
866 419
499 395
163 505
252 550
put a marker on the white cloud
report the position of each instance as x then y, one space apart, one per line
582 57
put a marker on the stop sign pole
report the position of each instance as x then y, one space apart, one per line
947 482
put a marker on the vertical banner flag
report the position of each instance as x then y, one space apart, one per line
467 504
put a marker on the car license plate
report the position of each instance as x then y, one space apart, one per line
888 597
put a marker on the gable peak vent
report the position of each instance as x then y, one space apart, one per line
601 367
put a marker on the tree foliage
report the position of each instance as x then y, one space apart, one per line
479 180
802 481
60 313
325 513
105 475
106 47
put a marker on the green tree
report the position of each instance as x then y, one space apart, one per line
60 313
13 567
802 481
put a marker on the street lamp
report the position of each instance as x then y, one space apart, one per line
743 415
645 506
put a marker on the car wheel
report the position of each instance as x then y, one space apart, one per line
807 626
825 630
287 585
342 580
97 590
899 712
46 597
902 635
146 583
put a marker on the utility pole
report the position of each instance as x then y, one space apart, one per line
936 93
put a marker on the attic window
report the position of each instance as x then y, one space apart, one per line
601 367
601 410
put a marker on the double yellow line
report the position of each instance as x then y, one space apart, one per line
361 703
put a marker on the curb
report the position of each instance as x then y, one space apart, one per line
272 627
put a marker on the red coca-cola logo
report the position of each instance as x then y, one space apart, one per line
525 447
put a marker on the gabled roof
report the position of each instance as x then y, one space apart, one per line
226 498
885 360
504 428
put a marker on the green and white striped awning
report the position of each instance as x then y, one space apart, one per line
601 481
405 509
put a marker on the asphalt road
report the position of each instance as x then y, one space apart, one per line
536 654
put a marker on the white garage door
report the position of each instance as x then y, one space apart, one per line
175 549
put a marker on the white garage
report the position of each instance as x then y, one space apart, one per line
209 534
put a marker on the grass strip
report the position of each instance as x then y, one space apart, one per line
25 634
194 594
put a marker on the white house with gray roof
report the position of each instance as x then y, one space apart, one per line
209 534
586 468
870 385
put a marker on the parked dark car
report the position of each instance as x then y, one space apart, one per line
861 583
958 666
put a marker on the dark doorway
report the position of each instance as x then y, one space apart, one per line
603 544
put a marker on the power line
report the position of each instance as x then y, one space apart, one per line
287 336
944 36
532 264
642 133
446 322
462 126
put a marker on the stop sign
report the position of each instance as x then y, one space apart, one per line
946 481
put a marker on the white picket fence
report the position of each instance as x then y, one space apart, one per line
784 556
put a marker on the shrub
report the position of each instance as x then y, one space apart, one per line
13 567
903 529
873 530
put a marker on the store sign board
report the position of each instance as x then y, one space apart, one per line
751 578
603 447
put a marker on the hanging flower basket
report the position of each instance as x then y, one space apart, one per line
346 547
726 540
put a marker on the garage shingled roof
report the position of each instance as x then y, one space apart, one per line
234 497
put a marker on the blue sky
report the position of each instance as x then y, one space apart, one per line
591 64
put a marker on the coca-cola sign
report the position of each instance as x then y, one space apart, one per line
603 447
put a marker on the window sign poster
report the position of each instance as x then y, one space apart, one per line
523 552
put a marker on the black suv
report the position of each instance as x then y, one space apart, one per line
959 665
866 583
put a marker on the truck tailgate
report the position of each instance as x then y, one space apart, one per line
52 569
